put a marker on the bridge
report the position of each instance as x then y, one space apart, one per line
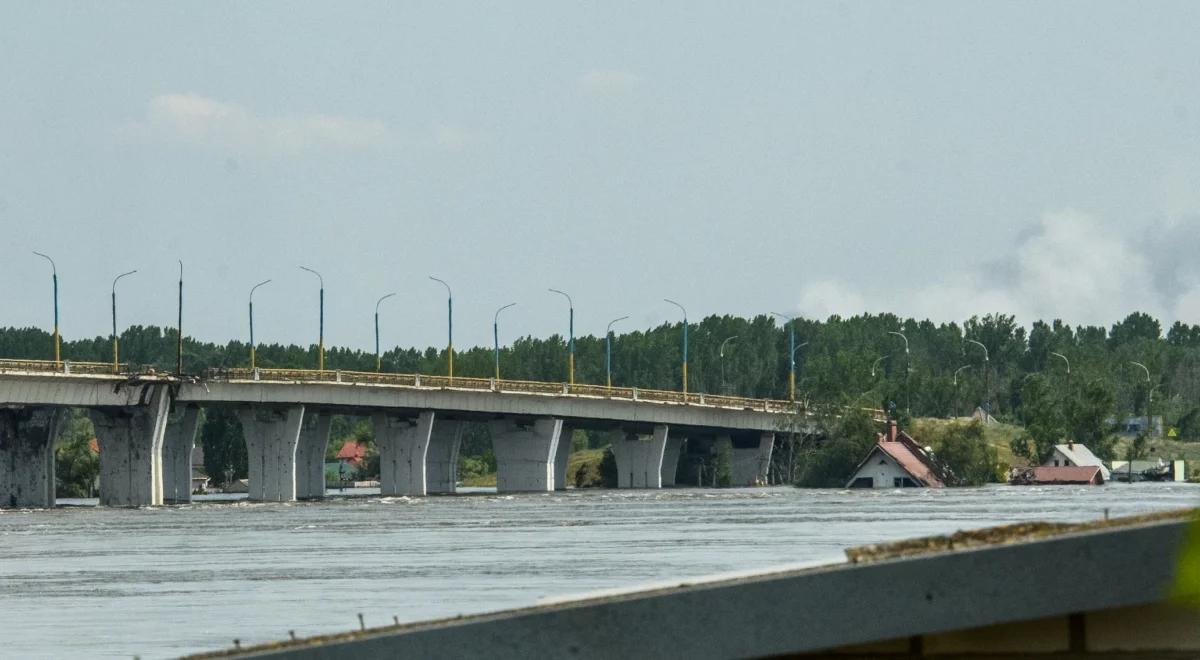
146 424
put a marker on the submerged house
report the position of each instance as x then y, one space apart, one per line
1074 454
897 461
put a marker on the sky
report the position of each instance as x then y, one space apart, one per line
933 159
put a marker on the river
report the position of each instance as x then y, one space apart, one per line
82 581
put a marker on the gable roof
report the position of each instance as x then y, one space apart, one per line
352 451
1071 474
909 457
1081 455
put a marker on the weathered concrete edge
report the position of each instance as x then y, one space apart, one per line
805 610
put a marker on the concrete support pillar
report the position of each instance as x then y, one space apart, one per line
272 434
562 456
178 444
403 445
525 454
749 466
441 459
640 459
670 462
27 456
310 456
131 450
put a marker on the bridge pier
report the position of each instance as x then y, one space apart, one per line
131 451
271 438
640 459
310 456
403 445
562 456
670 462
525 454
441 459
178 443
27 437
750 465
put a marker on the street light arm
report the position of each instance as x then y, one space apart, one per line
681 308
443 283
47 258
570 303
1144 368
381 300
800 346
610 324
727 340
114 284
255 287
496 317
322 279
1064 359
900 335
986 357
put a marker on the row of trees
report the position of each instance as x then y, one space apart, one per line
846 360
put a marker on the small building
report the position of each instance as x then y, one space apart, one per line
897 461
200 479
351 455
1156 470
1075 475
1074 454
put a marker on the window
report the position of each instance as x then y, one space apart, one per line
1056 462
863 482
896 482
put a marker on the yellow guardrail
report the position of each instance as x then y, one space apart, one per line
63 367
509 386
443 382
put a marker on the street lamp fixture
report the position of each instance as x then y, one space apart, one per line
685 344
570 336
449 328
907 371
321 327
608 351
253 365
378 359
57 338
496 337
116 352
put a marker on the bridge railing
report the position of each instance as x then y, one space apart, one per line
508 386
62 367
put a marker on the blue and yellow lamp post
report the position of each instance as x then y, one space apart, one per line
570 336
57 340
685 342
496 337
116 351
791 324
252 345
321 326
608 351
449 328
378 358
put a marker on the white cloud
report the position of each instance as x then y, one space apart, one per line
1072 267
199 121
608 82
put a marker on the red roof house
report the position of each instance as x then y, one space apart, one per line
897 461
352 454
1082 475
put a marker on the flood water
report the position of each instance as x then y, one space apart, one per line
80 581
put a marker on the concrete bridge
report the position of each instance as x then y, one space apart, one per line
146 427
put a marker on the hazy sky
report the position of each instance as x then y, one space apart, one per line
932 159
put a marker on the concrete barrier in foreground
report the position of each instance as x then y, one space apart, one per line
1017 590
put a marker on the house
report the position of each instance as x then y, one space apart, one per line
1073 475
897 461
1074 454
351 455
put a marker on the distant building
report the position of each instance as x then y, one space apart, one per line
200 480
1154 470
897 461
1077 475
1074 454
1135 424
351 455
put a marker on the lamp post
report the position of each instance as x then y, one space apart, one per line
721 354
794 350
1149 394
252 345
608 351
987 380
956 400
570 336
321 327
54 277
875 365
179 327
685 343
496 337
378 359
791 354
449 328
116 352
907 371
